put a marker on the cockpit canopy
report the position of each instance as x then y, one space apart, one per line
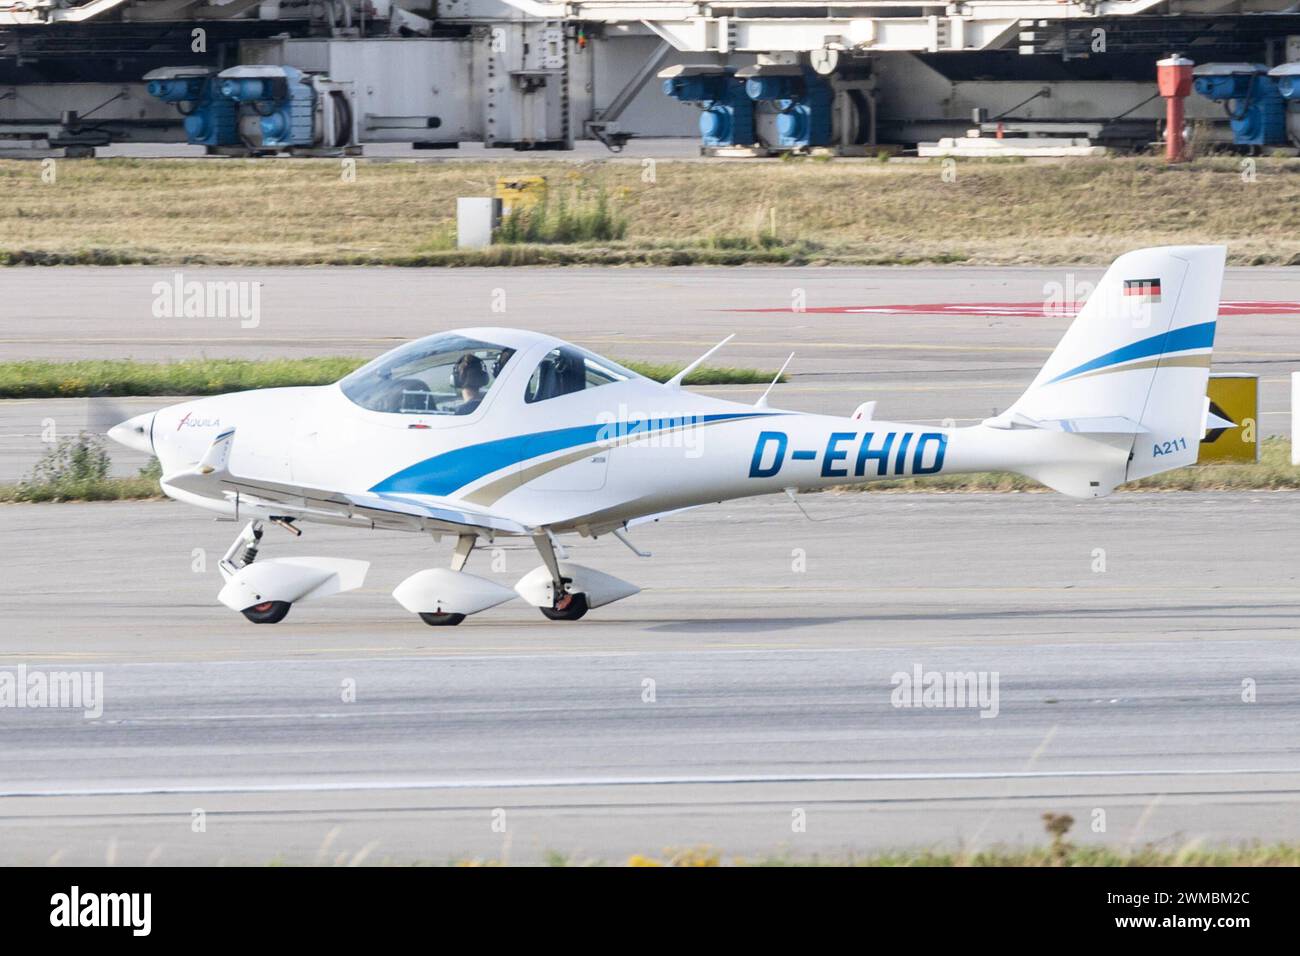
451 374
567 369
439 375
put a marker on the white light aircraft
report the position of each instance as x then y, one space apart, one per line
486 433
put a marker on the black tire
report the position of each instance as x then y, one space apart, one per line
342 119
576 607
441 620
268 612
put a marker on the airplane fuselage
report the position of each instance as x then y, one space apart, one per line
645 449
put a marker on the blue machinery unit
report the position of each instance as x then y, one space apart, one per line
804 104
210 118
1288 87
258 108
280 97
727 113
1251 99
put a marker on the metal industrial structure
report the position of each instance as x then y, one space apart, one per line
778 74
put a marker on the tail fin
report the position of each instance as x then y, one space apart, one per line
1136 360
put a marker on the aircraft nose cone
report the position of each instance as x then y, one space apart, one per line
136 433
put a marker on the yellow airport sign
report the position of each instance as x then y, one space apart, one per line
520 192
1234 396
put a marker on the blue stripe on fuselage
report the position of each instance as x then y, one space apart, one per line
1189 337
444 474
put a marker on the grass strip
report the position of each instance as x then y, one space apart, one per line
182 212
122 378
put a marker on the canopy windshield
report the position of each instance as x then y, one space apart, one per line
439 375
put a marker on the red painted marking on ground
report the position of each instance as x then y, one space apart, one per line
1020 309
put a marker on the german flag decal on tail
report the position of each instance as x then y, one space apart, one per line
1148 289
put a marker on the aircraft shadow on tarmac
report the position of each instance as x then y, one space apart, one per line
1186 612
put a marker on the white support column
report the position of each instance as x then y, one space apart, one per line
476 217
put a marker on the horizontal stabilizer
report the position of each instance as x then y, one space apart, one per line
1102 425
1212 420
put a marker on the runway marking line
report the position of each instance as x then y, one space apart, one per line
574 782
1027 310
480 652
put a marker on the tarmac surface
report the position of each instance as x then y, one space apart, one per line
1143 647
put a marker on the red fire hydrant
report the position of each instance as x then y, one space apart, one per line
1174 80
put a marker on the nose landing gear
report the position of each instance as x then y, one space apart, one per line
241 554
264 591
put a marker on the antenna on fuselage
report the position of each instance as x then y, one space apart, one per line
676 380
762 399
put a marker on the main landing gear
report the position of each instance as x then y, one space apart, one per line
264 590
444 597
569 607
459 558
441 620
566 605
445 588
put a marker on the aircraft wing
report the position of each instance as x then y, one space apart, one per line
212 478
647 519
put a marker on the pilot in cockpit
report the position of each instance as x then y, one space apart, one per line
471 378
